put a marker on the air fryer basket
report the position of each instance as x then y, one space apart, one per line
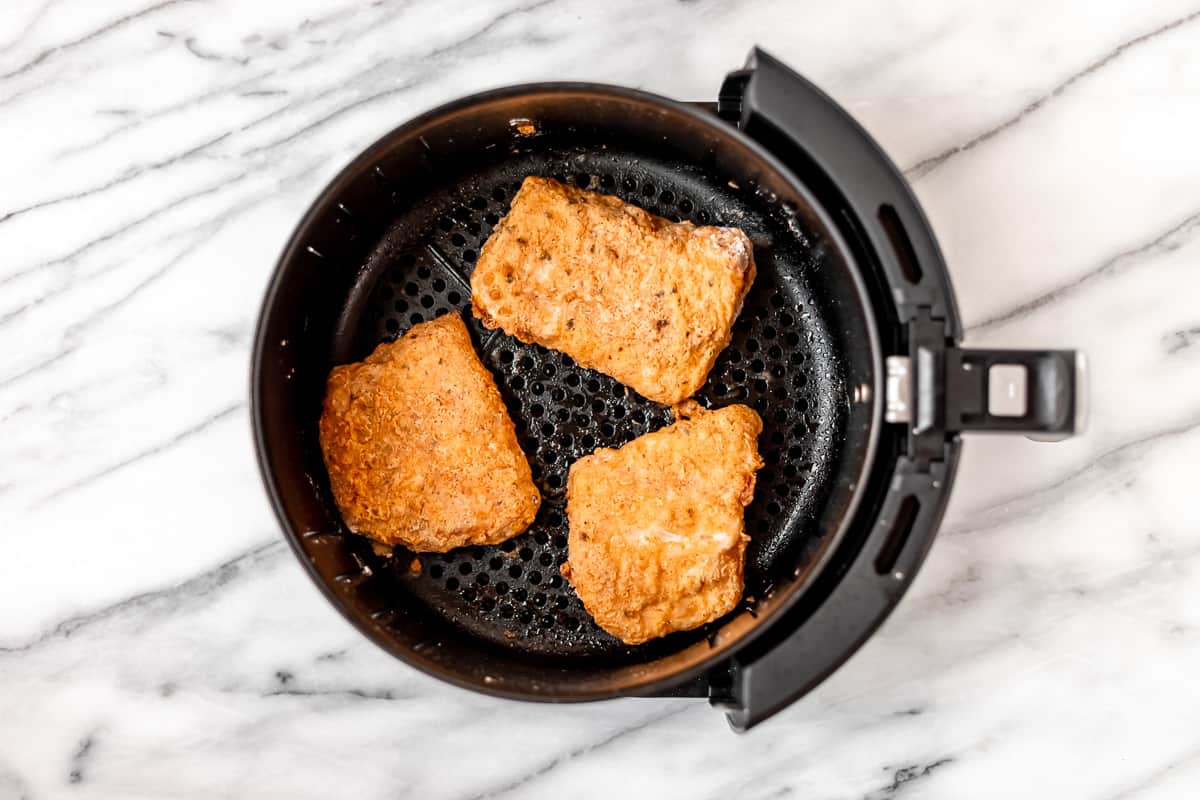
783 362
392 242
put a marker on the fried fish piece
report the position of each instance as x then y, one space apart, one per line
420 448
656 541
637 297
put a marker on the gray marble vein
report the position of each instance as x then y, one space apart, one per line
1008 509
1146 786
1173 237
149 452
927 165
904 777
160 600
58 50
515 787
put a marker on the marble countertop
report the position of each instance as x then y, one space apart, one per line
158 640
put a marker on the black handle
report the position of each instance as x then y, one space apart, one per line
941 389
1030 391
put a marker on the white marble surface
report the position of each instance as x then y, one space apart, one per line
156 639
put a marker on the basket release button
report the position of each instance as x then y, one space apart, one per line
1008 390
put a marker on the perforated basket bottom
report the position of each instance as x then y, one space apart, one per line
781 362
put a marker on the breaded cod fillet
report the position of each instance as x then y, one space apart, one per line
657 540
637 297
420 448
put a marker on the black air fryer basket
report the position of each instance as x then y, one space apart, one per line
846 346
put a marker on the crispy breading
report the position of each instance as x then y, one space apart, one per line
420 448
638 297
657 541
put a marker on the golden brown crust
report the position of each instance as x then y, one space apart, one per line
420 448
657 541
635 296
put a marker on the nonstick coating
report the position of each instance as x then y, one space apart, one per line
393 243
781 362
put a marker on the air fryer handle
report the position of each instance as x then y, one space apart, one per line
1037 392
939 389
